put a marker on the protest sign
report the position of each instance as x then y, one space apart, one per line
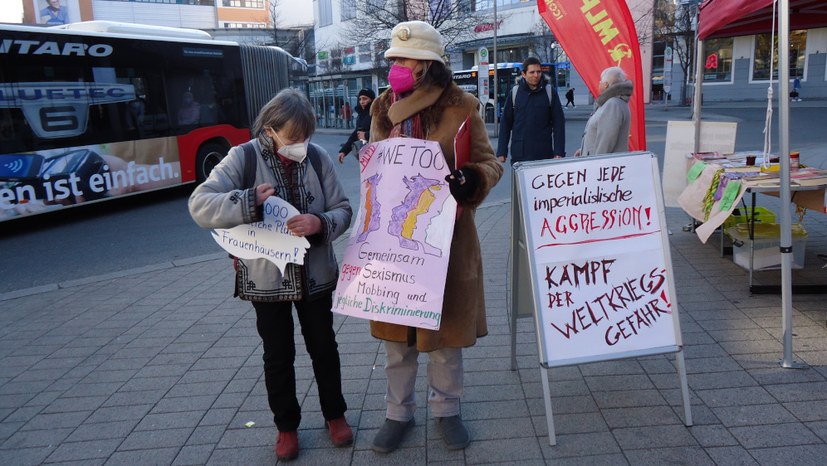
268 239
602 278
591 236
394 266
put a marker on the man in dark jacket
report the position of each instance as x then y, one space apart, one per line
363 120
535 126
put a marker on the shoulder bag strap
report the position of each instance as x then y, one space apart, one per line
249 177
315 161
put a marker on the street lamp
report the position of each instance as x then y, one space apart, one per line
554 63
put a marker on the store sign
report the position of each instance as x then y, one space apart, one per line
485 27
349 60
323 55
712 62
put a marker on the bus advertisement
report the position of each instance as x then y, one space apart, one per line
98 110
508 74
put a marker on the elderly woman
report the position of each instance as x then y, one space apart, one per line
423 102
301 173
607 130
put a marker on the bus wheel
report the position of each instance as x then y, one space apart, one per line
209 155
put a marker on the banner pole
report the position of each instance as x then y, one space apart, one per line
687 406
496 76
552 436
515 220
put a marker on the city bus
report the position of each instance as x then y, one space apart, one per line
508 74
97 110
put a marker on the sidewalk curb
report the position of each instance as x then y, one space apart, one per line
9 295
183 262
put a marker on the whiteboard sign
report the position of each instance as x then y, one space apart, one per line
598 257
680 142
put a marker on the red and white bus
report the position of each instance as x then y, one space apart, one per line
97 110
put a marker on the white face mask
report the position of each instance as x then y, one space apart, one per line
295 152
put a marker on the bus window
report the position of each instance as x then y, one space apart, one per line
149 111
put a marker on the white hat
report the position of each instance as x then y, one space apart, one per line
416 39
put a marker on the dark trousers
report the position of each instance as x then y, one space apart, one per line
274 322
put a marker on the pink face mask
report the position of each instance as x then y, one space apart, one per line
401 79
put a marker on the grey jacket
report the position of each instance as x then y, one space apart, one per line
222 202
607 130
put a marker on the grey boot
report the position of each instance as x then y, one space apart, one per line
453 432
390 435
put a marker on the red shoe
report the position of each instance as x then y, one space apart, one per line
287 446
340 432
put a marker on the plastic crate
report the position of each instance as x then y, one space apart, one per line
767 241
741 215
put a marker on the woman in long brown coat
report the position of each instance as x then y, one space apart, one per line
423 102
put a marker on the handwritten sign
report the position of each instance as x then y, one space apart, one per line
394 266
268 239
601 274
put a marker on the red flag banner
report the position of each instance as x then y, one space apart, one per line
597 34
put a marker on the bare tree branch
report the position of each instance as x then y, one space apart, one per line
543 41
374 19
273 10
674 25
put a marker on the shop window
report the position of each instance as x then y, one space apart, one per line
257 4
365 54
718 61
173 2
761 56
489 4
512 55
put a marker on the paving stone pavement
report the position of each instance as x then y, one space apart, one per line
160 365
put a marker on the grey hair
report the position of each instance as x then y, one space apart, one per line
290 109
613 75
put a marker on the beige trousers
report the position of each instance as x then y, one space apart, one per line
444 381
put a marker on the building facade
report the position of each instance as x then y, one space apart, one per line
739 68
195 14
347 61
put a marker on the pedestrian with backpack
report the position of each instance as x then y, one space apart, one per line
532 119
281 161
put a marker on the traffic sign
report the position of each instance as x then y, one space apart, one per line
482 75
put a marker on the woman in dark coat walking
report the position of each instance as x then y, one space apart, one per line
363 120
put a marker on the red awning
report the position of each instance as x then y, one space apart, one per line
727 18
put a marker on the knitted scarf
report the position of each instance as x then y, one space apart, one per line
411 127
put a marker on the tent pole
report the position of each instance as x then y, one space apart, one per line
696 99
696 105
496 78
786 198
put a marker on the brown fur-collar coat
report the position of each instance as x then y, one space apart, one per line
442 111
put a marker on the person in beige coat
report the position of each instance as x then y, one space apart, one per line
424 103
